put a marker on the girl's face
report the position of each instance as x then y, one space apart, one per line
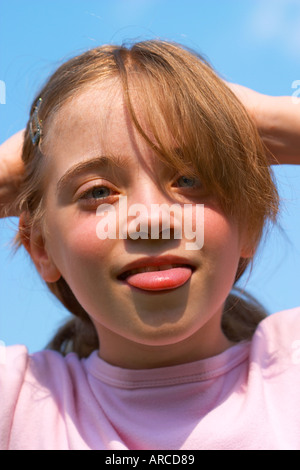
144 318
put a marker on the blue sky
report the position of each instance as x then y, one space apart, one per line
252 42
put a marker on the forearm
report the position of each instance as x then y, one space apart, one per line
11 173
278 122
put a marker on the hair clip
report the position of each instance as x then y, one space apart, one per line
35 124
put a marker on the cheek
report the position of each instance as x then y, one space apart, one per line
218 233
219 228
77 247
221 241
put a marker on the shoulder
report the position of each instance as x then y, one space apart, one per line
13 366
276 341
281 326
45 369
15 361
27 380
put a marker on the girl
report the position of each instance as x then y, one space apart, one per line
161 353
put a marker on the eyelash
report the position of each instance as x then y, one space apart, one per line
195 181
90 191
87 196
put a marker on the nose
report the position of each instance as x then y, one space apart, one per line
151 214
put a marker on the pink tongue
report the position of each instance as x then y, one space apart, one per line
160 280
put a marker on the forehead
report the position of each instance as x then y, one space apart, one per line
94 122
86 119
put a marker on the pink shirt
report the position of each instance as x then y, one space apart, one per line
245 398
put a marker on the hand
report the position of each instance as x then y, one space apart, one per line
278 122
11 173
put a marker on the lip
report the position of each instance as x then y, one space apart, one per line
147 262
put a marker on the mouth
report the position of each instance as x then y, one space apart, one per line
154 276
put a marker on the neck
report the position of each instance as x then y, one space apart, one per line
127 354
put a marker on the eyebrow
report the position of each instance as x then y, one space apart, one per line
97 163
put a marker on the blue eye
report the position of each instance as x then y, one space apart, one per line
96 195
98 192
185 181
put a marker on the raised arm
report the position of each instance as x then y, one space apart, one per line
11 173
278 122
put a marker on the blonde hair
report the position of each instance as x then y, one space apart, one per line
178 91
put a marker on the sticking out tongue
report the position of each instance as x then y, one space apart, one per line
160 280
